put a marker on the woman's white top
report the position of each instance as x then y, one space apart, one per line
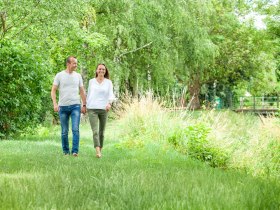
99 94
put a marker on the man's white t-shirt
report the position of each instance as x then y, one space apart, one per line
99 94
69 87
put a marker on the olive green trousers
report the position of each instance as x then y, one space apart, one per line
97 119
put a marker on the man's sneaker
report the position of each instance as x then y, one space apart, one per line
75 154
66 154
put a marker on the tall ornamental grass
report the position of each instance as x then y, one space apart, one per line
219 138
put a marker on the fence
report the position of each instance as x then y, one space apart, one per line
258 104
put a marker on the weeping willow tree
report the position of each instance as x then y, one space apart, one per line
194 46
139 49
156 43
159 44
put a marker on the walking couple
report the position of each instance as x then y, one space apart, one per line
97 103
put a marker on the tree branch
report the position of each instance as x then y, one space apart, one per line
22 29
132 51
18 22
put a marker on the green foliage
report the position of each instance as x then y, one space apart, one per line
44 33
194 142
206 42
23 76
251 142
271 159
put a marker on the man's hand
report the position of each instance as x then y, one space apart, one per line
53 95
84 109
55 107
83 96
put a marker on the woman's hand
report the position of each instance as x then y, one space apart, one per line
108 107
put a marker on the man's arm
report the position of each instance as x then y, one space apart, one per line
83 96
53 95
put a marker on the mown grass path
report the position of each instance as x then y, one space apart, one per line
35 175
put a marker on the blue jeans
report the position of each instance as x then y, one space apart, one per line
73 111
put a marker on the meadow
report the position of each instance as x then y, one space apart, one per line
152 159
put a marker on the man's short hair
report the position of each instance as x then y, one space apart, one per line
68 59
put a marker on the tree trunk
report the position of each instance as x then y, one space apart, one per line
194 90
3 16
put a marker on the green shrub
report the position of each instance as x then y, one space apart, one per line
22 83
193 141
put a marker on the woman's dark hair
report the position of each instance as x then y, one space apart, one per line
106 75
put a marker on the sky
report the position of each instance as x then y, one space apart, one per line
259 19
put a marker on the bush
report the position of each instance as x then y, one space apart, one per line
22 81
193 141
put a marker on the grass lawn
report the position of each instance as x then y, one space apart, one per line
35 175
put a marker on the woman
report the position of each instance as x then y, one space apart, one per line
99 100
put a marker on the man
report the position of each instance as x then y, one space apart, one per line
70 84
